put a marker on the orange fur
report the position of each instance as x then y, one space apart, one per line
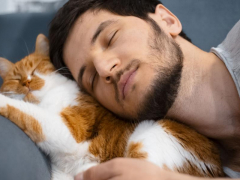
90 121
17 79
134 151
27 123
195 143
190 168
111 135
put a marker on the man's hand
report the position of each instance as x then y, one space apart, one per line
129 169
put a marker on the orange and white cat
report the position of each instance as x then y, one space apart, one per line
78 133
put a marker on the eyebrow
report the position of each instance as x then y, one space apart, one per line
100 29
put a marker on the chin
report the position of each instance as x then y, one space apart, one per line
16 96
31 99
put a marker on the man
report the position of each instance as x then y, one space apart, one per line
133 57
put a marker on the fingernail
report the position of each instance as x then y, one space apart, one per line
79 177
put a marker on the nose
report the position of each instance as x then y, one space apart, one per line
106 67
26 82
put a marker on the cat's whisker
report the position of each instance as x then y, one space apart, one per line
26 46
8 93
66 73
62 68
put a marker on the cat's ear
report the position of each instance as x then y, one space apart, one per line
5 67
42 45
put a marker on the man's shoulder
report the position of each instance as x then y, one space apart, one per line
232 40
230 47
229 52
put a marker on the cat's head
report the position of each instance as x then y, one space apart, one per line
22 79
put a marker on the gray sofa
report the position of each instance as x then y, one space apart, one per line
206 22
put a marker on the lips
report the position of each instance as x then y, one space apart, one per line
125 82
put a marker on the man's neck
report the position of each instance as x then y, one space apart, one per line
208 99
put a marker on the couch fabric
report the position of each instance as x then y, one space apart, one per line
206 22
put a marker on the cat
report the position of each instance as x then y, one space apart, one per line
78 133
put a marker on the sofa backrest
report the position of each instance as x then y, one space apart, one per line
18 33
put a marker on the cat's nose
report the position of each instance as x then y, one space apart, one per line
26 83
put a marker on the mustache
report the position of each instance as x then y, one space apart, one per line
134 62
116 79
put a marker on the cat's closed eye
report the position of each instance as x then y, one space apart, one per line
17 77
15 80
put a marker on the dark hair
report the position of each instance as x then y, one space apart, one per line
69 13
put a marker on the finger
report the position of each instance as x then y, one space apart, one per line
103 171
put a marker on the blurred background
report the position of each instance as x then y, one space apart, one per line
23 6
206 22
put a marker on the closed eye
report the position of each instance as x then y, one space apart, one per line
109 43
17 78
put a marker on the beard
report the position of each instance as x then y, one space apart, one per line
165 86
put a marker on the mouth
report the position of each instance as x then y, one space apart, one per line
126 82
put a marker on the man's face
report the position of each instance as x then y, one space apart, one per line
129 65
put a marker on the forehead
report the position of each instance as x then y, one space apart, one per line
86 24
79 38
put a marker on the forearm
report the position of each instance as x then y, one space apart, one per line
168 175
128 169
214 179
198 178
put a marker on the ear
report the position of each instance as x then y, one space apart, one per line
168 21
5 67
42 45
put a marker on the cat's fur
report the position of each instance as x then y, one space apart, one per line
77 133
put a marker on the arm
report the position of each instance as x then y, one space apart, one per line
128 169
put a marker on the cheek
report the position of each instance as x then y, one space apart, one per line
21 89
13 87
131 44
73 64
105 94
36 84
132 48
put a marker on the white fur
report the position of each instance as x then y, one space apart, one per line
69 157
29 77
57 93
163 148
14 96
